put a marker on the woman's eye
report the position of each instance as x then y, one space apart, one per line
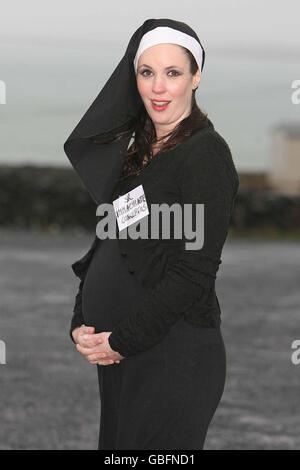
177 73
147 70
143 71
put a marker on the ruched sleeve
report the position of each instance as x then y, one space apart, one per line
79 268
77 318
208 177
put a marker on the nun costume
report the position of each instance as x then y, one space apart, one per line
156 297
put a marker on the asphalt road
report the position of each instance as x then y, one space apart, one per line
49 392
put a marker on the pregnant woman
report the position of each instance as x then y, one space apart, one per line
146 312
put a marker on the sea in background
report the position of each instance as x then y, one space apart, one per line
244 91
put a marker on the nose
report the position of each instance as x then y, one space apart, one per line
158 85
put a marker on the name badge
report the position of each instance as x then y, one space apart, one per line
131 207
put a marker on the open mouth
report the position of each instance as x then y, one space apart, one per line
159 105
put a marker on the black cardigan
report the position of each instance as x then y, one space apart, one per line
179 282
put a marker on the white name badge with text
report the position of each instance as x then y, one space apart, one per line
131 207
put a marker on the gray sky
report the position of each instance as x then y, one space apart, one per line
228 22
56 55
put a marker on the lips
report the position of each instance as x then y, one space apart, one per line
159 107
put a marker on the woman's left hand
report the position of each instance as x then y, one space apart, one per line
97 349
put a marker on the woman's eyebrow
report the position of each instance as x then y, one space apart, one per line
169 67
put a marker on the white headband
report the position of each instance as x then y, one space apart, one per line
164 34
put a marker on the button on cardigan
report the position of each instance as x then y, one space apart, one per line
205 174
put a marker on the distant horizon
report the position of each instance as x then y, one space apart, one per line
53 70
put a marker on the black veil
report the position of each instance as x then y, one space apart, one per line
117 105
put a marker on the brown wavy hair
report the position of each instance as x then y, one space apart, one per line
140 153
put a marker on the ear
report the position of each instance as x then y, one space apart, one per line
196 79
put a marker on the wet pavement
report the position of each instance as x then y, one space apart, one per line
49 392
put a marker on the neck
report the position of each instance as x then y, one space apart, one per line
163 129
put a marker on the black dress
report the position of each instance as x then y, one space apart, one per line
161 398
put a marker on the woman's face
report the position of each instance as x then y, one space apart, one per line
164 74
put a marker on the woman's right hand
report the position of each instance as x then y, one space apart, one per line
78 334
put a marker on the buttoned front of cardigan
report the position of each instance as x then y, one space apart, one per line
180 282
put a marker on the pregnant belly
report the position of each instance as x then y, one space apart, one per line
110 292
